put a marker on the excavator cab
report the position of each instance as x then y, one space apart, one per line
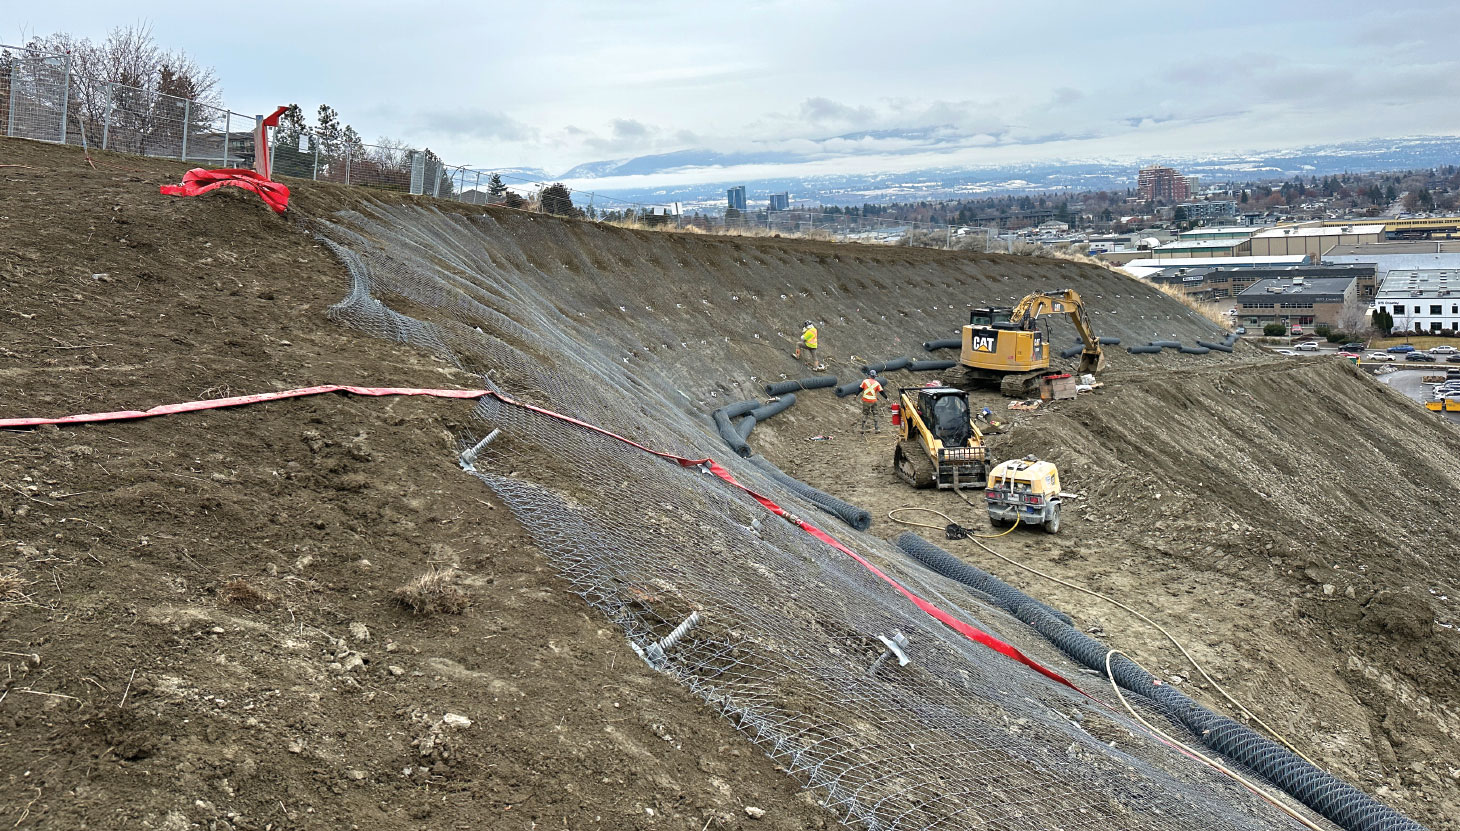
992 317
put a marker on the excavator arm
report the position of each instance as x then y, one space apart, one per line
1067 302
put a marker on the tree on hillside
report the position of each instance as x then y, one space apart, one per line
556 199
496 190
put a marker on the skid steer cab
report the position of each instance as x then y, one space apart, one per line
1026 490
938 443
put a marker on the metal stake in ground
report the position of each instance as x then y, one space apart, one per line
896 645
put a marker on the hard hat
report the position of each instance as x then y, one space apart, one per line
871 373
808 324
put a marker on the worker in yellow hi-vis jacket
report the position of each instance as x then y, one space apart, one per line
807 350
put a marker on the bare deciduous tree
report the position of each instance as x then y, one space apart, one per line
1353 319
142 72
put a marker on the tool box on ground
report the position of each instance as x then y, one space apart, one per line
1057 387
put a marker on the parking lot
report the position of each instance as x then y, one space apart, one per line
1406 379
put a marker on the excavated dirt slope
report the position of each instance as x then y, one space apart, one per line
242 563
187 597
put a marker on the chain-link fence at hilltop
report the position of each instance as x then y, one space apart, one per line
43 97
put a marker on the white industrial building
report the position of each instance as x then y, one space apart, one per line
1425 300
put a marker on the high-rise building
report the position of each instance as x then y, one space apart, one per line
780 201
1156 182
735 197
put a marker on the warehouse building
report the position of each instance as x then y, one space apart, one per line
1217 283
1421 300
1390 256
1188 249
1314 241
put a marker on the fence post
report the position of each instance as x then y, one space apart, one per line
478 188
106 126
347 164
65 95
227 128
272 146
10 120
315 174
187 116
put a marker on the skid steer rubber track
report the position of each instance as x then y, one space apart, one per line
912 465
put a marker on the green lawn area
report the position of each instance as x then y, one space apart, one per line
1417 341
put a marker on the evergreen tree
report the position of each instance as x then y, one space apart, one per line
496 190
556 199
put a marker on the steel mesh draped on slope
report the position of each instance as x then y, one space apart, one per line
960 738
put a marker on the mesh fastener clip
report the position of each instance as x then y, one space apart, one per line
896 645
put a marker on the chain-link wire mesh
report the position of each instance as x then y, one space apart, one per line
960 738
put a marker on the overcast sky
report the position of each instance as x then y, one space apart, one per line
553 84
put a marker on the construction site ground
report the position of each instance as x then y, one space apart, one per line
199 627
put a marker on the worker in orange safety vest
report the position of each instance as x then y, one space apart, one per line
871 391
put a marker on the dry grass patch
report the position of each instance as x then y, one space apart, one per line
433 592
12 588
240 592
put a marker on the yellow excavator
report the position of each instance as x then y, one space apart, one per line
1006 346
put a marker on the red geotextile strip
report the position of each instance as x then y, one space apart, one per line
968 631
236 401
198 181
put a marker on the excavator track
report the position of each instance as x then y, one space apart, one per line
912 465
1022 385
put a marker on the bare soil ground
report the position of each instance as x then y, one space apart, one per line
1223 494
198 628
1292 522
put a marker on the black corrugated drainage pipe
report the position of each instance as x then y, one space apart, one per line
887 366
765 411
813 383
1143 350
727 431
940 561
945 343
1325 793
930 366
845 511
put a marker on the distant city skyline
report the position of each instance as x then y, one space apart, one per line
763 90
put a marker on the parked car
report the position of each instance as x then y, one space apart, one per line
1453 359
1297 330
1344 353
1378 356
1241 330
1403 347
1420 357
1443 349
1352 347
1307 346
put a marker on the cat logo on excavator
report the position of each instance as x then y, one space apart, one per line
983 343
